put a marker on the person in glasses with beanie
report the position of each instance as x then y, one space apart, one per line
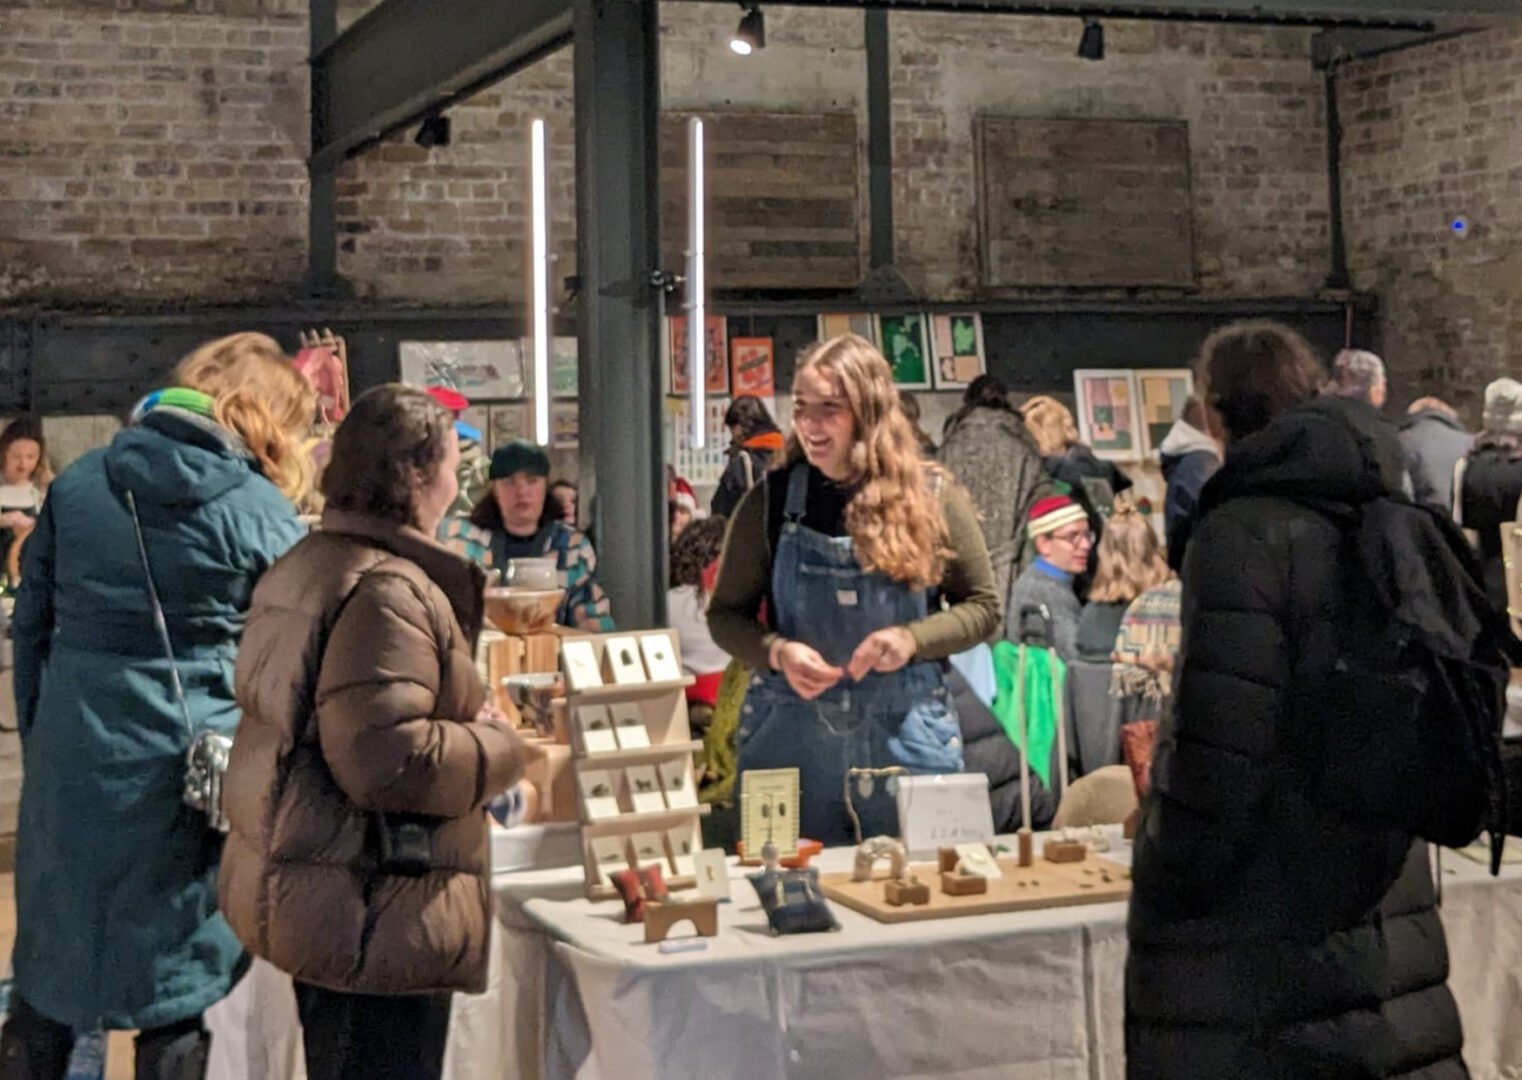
516 519
1059 529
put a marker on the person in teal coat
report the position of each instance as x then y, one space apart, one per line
117 922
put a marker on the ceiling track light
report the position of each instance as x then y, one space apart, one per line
750 35
1092 45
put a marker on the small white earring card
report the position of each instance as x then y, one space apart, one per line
649 847
609 856
599 794
645 789
580 662
594 726
629 725
977 860
676 780
712 872
660 658
624 664
679 840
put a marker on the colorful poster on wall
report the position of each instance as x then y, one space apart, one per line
564 373
715 362
509 422
477 369
751 368
1107 417
701 467
1161 395
903 342
861 324
565 425
956 342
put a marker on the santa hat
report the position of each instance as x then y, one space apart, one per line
685 495
1053 513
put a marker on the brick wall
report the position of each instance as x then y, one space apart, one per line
1430 136
152 155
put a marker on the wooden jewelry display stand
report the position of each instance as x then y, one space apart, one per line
625 732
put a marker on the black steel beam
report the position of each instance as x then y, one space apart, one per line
1339 277
322 199
1425 15
407 58
619 310
880 138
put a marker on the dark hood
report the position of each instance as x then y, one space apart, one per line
174 458
1331 450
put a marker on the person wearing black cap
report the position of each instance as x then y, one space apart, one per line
516 519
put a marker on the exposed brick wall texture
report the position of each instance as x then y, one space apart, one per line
1431 135
151 156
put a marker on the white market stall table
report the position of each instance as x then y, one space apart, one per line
576 994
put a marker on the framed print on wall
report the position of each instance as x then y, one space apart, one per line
858 323
956 344
752 371
716 361
1160 396
1108 420
477 369
903 340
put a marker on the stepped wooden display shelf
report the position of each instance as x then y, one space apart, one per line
661 707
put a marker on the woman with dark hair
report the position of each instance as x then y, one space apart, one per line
694 565
754 441
516 519
134 593
357 860
988 450
911 409
1248 957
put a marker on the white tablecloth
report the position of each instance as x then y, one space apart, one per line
576 994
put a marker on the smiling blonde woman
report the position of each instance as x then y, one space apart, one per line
872 570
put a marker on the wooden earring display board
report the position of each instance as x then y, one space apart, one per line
630 742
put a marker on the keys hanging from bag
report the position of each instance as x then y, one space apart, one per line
206 758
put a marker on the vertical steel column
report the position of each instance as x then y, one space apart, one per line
322 198
879 138
1339 278
619 308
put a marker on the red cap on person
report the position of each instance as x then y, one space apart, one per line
452 400
1053 513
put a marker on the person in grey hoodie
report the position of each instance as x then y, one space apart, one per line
1434 442
1059 528
987 448
1190 456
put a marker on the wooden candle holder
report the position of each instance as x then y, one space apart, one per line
661 916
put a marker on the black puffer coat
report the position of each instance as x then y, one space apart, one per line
1270 937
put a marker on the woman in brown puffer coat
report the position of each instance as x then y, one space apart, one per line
357 859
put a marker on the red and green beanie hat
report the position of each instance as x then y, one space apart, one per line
1054 512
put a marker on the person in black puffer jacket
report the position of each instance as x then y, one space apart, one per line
1490 483
1271 938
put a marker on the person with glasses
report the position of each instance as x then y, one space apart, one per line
1059 529
869 569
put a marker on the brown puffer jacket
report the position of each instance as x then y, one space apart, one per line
359 689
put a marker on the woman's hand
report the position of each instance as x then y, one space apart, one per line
886 650
17 521
805 670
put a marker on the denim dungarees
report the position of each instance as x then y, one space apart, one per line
823 598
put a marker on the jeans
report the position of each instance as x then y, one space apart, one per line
33 1047
372 1036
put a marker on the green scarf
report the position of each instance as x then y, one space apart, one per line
1040 705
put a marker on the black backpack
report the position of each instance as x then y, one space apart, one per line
1405 729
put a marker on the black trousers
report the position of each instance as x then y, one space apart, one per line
371 1036
33 1047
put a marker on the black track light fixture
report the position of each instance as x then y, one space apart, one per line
434 131
750 35
1092 45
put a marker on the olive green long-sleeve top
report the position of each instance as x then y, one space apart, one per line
971 609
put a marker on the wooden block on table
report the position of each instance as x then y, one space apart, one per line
953 884
946 859
913 891
1060 851
661 916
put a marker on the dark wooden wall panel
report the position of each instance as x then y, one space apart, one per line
784 199
1084 203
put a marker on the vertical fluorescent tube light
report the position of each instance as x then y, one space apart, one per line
697 285
541 257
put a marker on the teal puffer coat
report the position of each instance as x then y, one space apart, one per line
115 877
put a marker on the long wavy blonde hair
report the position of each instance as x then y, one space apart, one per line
1050 424
895 519
1130 558
258 394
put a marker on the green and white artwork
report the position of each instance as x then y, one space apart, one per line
906 348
